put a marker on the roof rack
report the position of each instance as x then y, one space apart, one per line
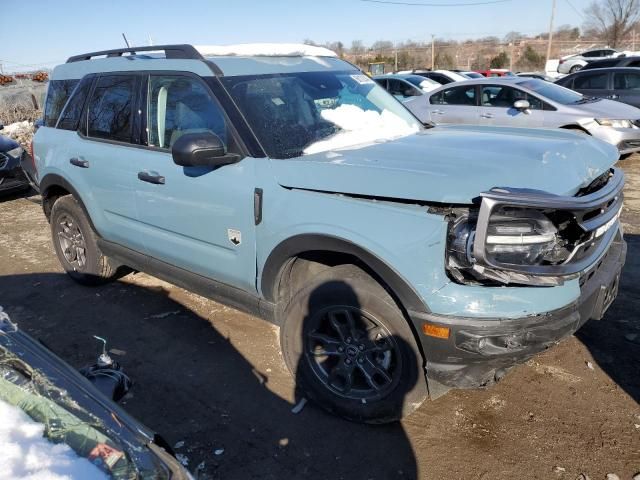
170 51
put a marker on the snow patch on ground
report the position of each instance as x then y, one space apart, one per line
26 455
16 128
265 50
360 127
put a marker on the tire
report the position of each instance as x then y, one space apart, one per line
75 243
575 68
351 348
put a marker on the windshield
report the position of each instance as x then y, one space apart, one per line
553 92
294 114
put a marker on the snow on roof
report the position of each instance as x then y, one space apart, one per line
265 50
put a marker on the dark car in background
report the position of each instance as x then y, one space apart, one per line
76 413
621 84
619 62
12 178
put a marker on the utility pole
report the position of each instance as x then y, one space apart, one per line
511 57
396 55
553 13
433 52
633 41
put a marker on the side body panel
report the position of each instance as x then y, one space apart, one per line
105 187
201 219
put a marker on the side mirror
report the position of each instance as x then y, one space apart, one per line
522 105
410 92
203 149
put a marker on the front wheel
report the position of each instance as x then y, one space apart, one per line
351 348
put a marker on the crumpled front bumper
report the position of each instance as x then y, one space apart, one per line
479 351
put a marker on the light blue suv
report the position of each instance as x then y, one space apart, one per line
398 260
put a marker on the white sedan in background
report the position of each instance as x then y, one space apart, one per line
410 90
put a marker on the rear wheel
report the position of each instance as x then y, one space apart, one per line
575 68
351 349
76 244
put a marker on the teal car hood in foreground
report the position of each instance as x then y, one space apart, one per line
454 164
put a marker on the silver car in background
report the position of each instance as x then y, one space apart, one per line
529 102
410 90
573 63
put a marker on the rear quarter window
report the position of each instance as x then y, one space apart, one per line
57 95
70 117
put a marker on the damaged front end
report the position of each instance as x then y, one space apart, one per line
525 238
529 237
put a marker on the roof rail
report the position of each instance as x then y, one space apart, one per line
170 51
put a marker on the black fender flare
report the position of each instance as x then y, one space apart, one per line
53 180
298 244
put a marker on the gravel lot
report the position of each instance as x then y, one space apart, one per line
214 378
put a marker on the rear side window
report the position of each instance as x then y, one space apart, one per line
70 118
57 95
626 81
635 63
110 109
596 81
456 96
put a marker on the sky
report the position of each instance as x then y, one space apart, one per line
46 32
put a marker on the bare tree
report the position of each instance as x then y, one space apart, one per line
612 20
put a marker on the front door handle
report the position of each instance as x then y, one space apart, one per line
438 112
79 162
614 96
487 115
151 178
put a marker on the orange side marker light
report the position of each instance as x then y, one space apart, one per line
435 330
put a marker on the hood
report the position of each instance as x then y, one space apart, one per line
454 164
609 109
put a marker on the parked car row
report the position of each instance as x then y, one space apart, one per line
530 100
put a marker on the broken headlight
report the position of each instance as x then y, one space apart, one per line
515 238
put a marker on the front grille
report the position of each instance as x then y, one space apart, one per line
586 223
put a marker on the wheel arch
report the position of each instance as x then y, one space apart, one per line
575 126
284 254
52 187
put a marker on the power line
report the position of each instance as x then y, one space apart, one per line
575 9
466 4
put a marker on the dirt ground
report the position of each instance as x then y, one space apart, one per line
214 379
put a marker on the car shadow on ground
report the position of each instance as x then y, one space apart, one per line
193 385
614 341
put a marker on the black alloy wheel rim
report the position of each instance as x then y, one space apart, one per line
71 241
352 353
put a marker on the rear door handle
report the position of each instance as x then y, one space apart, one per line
438 112
487 115
151 178
614 96
79 162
